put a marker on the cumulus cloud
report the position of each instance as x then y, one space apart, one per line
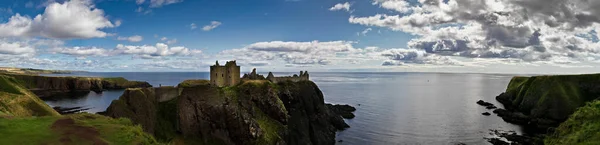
159 50
300 53
527 30
82 51
15 48
341 6
212 25
135 38
160 3
156 51
69 20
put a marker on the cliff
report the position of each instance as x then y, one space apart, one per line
17 101
25 119
583 127
254 112
45 86
545 101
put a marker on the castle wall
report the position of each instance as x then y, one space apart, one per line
303 77
167 93
233 75
218 76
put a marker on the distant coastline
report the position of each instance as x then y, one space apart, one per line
15 70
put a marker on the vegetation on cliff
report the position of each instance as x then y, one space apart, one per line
77 128
583 127
550 97
253 112
16 100
25 119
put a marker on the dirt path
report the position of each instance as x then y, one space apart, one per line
69 131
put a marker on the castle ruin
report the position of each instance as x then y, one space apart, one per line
228 75
295 78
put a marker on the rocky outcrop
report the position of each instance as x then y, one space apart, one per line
545 101
139 105
346 111
254 112
17 101
45 86
311 122
582 127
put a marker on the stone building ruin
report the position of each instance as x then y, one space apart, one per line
295 78
222 76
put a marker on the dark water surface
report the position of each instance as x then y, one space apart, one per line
395 108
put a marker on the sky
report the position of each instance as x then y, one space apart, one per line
470 36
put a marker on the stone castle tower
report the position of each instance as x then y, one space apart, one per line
228 75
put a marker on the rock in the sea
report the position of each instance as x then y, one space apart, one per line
487 105
346 111
486 113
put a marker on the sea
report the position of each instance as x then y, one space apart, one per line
404 108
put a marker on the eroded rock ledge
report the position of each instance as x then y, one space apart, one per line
254 112
45 86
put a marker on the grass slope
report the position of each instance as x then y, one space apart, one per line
554 97
40 130
16 100
582 128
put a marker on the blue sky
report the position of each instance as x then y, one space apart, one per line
283 35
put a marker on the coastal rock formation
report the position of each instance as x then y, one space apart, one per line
254 112
545 101
45 86
346 111
17 101
25 119
582 127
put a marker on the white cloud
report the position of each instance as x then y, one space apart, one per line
139 2
160 3
364 32
118 23
212 25
172 41
535 31
69 20
15 48
135 38
82 51
302 53
166 40
401 6
159 50
341 6
193 26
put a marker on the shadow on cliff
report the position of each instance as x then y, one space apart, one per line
254 112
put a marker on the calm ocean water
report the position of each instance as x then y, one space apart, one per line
395 108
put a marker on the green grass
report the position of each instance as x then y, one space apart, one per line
193 83
31 130
270 128
553 97
115 131
16 100
37 130
582 127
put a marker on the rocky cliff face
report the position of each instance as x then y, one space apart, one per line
545 101
45 86
254 112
